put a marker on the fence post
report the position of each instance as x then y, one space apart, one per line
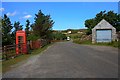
28 47
5 52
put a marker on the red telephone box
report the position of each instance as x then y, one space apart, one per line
21 45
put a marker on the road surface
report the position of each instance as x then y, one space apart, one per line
69 60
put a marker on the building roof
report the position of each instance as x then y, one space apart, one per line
103 24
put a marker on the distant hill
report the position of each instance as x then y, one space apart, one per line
72 30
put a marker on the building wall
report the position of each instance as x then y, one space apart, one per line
103 25
94 35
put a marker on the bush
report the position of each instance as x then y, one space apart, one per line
115 44
59 36
32 37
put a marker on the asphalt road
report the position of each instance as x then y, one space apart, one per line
69 60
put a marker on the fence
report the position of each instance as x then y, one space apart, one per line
0 53
9 51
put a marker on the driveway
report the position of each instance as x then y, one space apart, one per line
69 60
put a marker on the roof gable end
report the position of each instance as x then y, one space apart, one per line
103 24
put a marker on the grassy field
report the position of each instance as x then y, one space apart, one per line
74 36
6 65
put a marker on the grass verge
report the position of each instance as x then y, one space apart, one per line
115 44
6 65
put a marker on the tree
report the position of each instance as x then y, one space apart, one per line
6 30
0 31
31 35
0 23
110 16
43 25
27 27
100 16
90 23
118 23
17 27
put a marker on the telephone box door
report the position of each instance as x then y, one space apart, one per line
21 45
